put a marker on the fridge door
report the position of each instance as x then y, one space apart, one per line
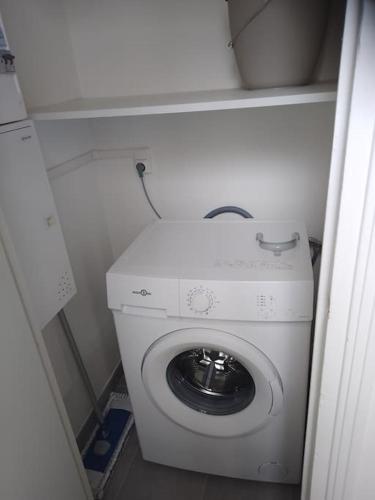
30 214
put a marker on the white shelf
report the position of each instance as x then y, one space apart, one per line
185 102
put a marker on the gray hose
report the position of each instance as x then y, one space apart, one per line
229 209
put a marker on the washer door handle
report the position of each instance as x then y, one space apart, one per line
277 397
277 246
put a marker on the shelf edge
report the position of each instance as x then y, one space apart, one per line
187 107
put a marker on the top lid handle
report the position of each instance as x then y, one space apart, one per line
277 247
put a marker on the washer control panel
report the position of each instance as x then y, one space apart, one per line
201 300
266 306
246 301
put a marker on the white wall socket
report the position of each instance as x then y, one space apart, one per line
145 158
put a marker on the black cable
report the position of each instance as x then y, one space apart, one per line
316 248
141 170
148 198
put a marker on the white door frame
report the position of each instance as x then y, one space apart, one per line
341 385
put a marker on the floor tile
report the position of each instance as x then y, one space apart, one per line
149 481
122 467
135 479
223 488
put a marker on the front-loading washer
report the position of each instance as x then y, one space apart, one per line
213 320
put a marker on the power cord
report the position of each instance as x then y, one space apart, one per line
141 171
316 249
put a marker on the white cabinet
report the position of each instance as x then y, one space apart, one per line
30 214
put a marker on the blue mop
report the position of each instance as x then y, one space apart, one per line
107 440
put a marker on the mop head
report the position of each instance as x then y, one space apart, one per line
101 452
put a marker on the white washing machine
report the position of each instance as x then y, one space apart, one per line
213 320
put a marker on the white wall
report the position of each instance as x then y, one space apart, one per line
147 46
61 141
70 383
272 162
80 211
39 37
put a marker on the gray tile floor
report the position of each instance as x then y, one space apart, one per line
135 479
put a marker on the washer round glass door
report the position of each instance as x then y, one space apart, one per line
212 382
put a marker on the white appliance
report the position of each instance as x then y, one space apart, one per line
213 320
29 210
12 107
26 200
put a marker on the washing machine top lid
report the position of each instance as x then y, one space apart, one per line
244 250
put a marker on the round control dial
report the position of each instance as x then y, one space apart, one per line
200 300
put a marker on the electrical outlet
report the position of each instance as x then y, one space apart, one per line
145 158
